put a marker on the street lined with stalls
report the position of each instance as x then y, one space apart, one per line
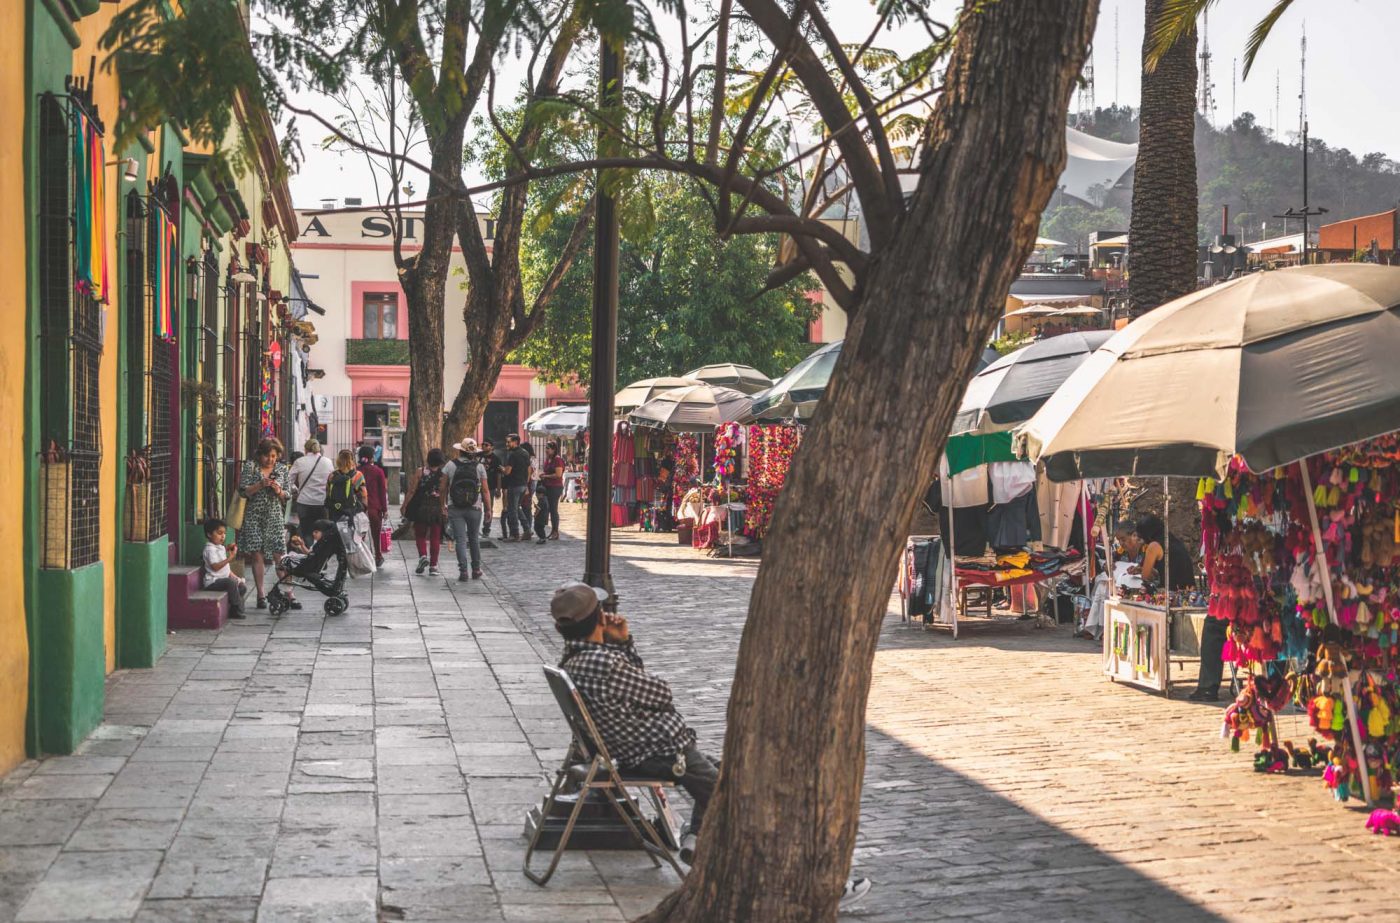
379 765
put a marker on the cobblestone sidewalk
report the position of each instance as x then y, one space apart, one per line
378 765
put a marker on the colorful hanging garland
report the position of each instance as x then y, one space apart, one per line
90 256
267 420
687 457
728 439
771 449
167 275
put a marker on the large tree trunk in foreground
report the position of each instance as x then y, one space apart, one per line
1162 232
779 836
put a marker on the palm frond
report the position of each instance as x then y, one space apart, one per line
1261 31
1175 21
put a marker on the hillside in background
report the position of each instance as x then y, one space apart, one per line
1257 176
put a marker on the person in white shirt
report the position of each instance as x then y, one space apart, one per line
309 475
218 575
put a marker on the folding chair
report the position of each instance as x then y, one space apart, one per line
590 765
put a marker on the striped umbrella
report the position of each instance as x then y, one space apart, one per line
693 409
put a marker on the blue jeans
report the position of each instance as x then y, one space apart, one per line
514 516
465 526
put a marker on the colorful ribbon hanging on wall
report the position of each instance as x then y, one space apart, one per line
167 275
90 263
267 419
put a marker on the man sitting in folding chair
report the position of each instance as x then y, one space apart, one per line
632 709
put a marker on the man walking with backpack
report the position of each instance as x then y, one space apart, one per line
466 488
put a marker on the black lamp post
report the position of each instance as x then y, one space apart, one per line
603 375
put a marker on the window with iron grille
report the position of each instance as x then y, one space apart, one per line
70 331
150 366
232 447
211 404
252 373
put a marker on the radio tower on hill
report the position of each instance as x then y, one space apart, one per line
1206 100
1084 101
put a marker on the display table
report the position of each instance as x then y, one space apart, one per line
1137 642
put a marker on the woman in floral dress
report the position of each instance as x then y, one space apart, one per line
264 532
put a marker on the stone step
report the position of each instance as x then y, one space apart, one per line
190 606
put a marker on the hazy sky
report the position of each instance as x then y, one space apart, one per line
1351 54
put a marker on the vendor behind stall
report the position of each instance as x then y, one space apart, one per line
1152 538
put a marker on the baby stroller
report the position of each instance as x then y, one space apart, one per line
307 573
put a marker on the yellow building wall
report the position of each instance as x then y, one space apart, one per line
14 641
106 95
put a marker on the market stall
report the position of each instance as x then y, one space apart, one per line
1278 389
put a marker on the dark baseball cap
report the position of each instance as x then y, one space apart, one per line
574 601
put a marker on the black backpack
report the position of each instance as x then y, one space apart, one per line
340 498
465 488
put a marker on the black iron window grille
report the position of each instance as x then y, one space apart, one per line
209 407
150 372
70 347
232 418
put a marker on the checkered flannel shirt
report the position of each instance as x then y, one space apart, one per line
631 708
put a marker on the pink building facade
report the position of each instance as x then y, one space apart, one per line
359 364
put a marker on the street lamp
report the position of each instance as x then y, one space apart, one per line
603 375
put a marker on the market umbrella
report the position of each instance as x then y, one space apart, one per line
1012 389
639 392
692 409
1274 366
566 420
1033 310
744 378
795 395
1082 310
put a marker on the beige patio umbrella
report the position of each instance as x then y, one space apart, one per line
1274 367
639 392
692 409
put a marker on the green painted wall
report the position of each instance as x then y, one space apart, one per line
141 605
49 58
69 659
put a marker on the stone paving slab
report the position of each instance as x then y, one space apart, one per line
378 765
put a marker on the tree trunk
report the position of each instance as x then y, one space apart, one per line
780 832
424 280
1162 231
487 326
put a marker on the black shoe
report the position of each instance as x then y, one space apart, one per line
240 614
294 604
1202 695
262 602
422 564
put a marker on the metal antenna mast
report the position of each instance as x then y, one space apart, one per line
1206 102
1115 54
1303 81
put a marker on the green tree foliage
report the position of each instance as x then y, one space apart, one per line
1255 174
686 297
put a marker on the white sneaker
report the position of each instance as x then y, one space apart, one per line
855 889
688 848
434 572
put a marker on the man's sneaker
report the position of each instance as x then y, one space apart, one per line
855 889
688 847
434 572
422 564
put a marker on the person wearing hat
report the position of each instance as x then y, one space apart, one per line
633 709
466 504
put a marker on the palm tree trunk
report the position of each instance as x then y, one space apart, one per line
1162 231
779 834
